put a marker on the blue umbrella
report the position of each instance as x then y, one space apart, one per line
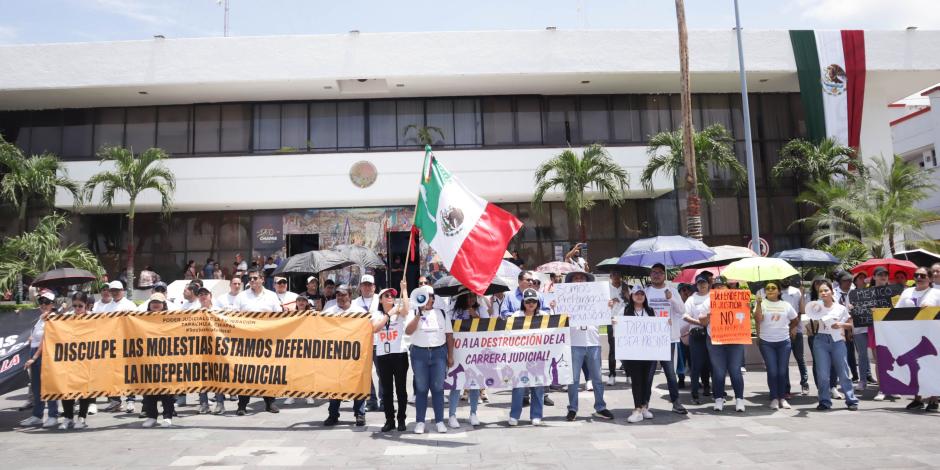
807 257
673 250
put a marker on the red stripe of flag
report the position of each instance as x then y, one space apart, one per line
482 251
853 47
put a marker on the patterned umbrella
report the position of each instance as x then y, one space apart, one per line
557 267
360 256
672 250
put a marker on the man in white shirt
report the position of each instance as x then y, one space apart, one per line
287 298
118 303
366 292
574 257
104 300
344 304
256 299
190 299
840 293
586 349
667 302
227 301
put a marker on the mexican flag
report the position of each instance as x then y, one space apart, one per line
830 67
469 234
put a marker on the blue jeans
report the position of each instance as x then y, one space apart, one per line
473 396
776 356
204 398
535 404
797 347
698 350
831 354
359 408
833 375
430 367
861 347
35 378
670 373
591 357
726 360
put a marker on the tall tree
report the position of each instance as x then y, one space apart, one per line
34 178
694 203
594 170
40 250
133 175
812 162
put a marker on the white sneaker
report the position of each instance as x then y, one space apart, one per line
536 421
744 370
636 417
411 399
452 422
739 405
149 423
129 407
66 424
784 404
774 404
50 422
419 428
31 421
441 428
836 394
311 401
80 424
474 420
611 381
647 414
92 409
719 404
589 386
167 423
289 401
219 408
513 422
879 397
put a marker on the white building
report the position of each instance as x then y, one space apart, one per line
916 136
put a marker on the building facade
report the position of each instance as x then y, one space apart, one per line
916 135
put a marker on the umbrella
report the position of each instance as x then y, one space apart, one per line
313 262
724 254
611 265
672 250
806 257
688 275
360 256
759 269
63 277
449 286
920 256
557 267
894 266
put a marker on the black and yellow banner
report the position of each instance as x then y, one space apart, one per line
295 354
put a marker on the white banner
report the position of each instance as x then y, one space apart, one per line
908 354
642 338
584 302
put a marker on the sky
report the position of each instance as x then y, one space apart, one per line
44 21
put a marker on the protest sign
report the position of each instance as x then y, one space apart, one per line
294 354
642 338
864 300
730 316
15 328
518 351
907 349
584 302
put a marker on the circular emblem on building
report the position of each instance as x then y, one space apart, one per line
834 79
451 220
363 174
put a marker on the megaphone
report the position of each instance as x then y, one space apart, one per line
420 297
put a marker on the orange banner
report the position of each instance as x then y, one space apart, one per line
296 354
730 316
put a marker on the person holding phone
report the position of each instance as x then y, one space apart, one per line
576 258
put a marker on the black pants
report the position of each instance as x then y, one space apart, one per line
640 384
611 355
244 399
700 370
393 368
150 405
68 408
851 358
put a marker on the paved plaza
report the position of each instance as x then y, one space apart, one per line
880 435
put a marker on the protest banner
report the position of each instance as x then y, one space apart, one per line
15 328
585 303
864 300
519 351
642 338
907 341
284 354
730 316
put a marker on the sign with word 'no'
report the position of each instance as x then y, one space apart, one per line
730 316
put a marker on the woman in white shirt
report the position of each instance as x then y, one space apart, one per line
921 295
637 305
432 352
467 306
391 359
34 365
530 307
697 311
81 304
775 318
829 345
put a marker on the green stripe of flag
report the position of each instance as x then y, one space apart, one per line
810 76
429 196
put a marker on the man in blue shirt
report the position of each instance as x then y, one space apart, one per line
514 300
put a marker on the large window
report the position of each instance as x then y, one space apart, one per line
236 127
323 126
109 128
173 129
561 122
77 133
46 132
294 127
382 128
267 127
141 128
497 121
410 117
440 115
595 120
351 125
529 120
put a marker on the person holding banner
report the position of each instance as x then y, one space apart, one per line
256 299
466 307
432 353
391 359
812 328
832 319
921 295
775 318
157 303
641 385
616 284
697 310
726 360
585 350
531 306
344 304
34 366
80 303
667 302
880 278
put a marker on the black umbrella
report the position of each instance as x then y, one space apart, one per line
920 256
63 277
313 262
360 256
806 257
610 265
449 286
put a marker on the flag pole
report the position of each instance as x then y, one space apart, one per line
411 236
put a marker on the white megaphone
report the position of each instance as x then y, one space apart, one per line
420 296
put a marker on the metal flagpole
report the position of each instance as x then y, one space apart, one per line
749 151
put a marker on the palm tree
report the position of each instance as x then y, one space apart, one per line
813 162
133 175
423 134
37 177
40 250
712 149
593 170
694 203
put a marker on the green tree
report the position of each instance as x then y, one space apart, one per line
812 162
34 178
424 135
40 250
133 175
593 171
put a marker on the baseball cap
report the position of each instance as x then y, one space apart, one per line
47 295
159 286
279 279
637 288
116 285
157 296
389 289
367 278
701 278
313 279
342 288
530 294
880 270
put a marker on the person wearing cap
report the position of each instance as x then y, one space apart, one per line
697 314
256 299
391 357
344 304
636 304
879 278
832 319
303 303
586 350
666 302
228 301
466 306
775 319
81 302
726 360
313 293
365 300
432 353
103 300
514 301
842 285
118 303
919 296
530 307
286 297
46 300
683 363
157 303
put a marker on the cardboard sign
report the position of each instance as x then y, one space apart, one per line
864 300
730 316
907 348
585 303
642 338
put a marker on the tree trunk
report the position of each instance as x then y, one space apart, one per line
18 295
130 251
693 211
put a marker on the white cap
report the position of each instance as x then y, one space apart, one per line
313 278
115 285
367 278
48 295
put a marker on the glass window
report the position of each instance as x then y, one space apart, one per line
141 128
626 116
561 122
76 133
201 230
267 126
440 114
410 113
775 116
236 127
206 128
675 106
294 126
737 115
595 121
599 221
467 123
234 233
351 123
46 132
725 219
561 229
529 120
664 209
655 114
382 124
109 127
323 126
497 121
173 129
716 109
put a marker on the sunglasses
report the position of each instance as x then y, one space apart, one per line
254 278
422 283
920 276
